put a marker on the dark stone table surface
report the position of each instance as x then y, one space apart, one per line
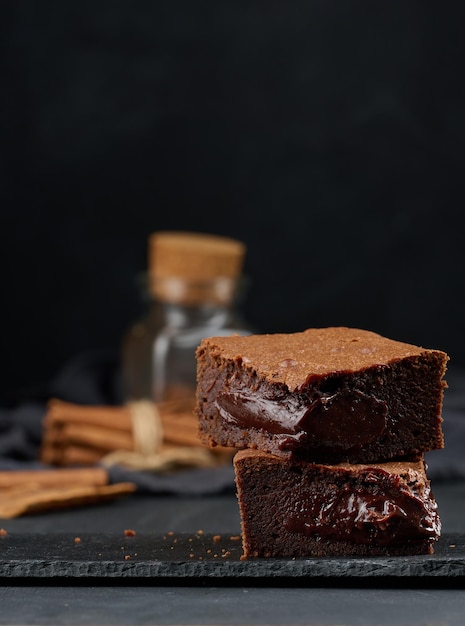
349 600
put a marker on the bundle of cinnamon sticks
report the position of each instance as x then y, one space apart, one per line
142 436
76 434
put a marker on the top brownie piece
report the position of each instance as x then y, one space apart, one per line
325 395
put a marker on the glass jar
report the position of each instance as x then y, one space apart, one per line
192 298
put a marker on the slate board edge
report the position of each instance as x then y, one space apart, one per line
256 568
448 565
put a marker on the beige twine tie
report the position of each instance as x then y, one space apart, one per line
147 429
148 453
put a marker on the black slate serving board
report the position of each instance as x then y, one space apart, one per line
200 556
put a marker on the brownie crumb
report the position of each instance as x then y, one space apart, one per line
127 557
77 539
3 532
217 538
235 537
129 532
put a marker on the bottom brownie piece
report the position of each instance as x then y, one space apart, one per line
301 509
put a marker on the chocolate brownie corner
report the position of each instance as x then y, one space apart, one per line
299 509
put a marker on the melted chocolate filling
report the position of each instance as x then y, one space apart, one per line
362 515
337 421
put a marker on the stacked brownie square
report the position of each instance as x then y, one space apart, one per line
332 426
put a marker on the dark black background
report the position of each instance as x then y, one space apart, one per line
328 136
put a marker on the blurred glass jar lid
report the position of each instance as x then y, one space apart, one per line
192 266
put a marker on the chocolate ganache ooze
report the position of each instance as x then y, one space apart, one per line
337 421
366 514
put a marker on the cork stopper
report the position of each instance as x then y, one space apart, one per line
194 267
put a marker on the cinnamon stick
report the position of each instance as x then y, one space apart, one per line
34 501
98 437
70 455
63 412
54 477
